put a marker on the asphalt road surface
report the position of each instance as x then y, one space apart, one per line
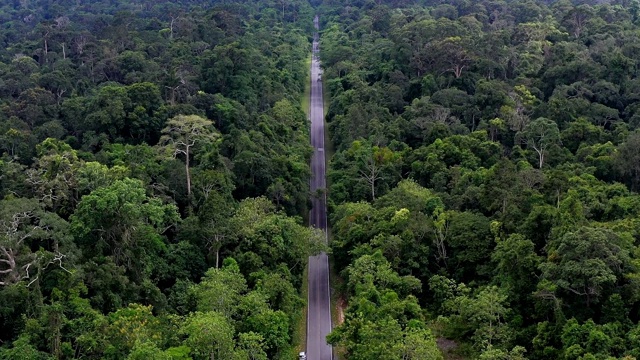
319 311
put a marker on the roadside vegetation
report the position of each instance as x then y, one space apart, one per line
483 183
483 193
153 170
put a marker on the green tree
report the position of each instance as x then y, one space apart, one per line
24 226
182 133
209 335
251 347
147 350
54 175
491 353
628 161
420 344
131 327
516 260
122 221
23 350
540 135
588 262
220 289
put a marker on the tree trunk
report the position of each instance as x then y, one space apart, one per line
55 337
541 160
457 71
373 189
188 173
171 29
540 151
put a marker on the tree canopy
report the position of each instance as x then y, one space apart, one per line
485 172
154 168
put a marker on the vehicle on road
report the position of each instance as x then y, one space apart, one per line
302 356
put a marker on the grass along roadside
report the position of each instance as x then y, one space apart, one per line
337 303
299 339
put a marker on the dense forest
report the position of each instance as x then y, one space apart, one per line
153 175
484 183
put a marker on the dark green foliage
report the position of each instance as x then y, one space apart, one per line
142 144
484 187
519 119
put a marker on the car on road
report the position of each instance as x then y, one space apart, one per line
302 356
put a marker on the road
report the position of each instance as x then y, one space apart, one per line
319 310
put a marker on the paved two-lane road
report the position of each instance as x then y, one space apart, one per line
319 310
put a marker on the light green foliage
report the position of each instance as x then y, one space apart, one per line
220 290
481 317
377 270
363 171
22 350
184 132
589 339
412 196
380 323
250 347
272 325
224 291
147 351
122 221
142 161
539 135
54 176
93 175
280 293
399 224
133 327
496 142
517 353
209 335
264 236
420 344
515 260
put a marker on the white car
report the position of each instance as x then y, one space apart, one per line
302 356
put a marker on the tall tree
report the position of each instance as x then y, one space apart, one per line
24 226
182 133
372 162
540 135
209 335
